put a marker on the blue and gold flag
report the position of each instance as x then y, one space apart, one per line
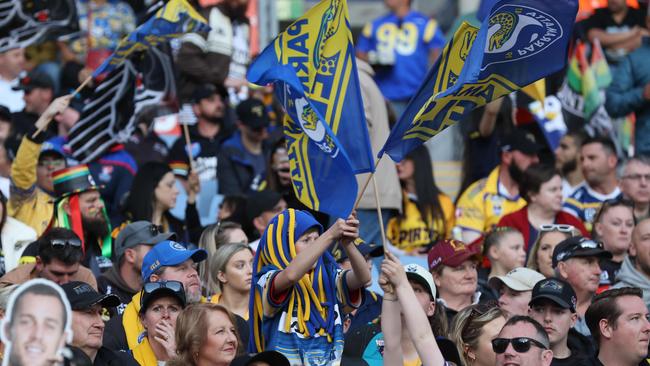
313 69
176 18
520 42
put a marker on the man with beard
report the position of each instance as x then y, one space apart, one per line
485 201
635 184
567 157
598 159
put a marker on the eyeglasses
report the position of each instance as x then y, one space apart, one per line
51 163
156 230
637 177
65 242
519 344
557 227
175 286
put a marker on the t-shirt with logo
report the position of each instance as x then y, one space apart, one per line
584 203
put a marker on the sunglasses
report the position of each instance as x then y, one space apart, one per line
175 286
65 242
557 227
156 230
519 344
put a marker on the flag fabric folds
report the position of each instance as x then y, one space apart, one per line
521 41
176 18
313 69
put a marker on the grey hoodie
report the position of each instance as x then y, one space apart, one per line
629 276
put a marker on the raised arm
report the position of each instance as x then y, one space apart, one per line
391 323
360 274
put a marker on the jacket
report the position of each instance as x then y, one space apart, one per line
28 203
235 171
376 112
110 282
625 94
27 271
106 357
629 276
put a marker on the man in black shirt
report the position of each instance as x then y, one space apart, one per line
39 93
618 27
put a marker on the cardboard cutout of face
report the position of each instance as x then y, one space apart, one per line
37 324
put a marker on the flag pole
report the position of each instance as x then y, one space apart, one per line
365 185
379 215
188 144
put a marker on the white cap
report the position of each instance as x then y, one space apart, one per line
418 273
519 279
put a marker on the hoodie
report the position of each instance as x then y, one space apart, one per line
630 276
110 282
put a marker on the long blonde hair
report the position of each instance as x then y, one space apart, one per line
532 256
212 238
467 327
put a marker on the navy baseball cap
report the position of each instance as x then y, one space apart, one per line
556 290
168 254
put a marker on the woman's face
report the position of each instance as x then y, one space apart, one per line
166 192
239 271
549 195
164 309
237 235
484 354
405 169
615 229
220 346
544 257
457 281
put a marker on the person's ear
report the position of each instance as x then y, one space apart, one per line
431 308
154 278
471 356
39 264
598 228
493 252
221 277
612 161
130 255
66 207
547 357
561 267
574 319
436 278
506 157
605 328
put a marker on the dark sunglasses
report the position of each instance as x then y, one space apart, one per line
175 286
156 229
519 344
65 242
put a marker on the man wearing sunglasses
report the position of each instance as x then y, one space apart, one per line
522 341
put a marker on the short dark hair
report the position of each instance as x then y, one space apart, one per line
538 327
604 141
578 135
534 176
68 254
39 289
604 306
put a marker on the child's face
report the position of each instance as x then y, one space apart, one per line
306 240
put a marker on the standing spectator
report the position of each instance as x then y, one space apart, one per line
598 159
243 158
635 185
540 257
38 93
553 306
522 341
472 331
576 260
504 248
232 268
401 45
542 189
618 320
261 207
12 63
484 202
635 270
618 27
567 161
516 289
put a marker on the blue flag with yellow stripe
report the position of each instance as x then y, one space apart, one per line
176 18
519 42
313 69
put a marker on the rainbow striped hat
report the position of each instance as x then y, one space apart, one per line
73 180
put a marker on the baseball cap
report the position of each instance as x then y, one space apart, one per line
82 296
419 274
252 112
274 358
521 141
139 232
261 201
578 246
169 253
51 148
207 90
451 253
556 290
519 279
34 80
366 249
154 290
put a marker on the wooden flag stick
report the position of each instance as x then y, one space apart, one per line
188 144
365 185
379 215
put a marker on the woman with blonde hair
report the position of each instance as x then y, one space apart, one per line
472 331
231 267
540 257
213 237
206 334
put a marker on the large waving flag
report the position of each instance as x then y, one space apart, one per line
176 18
521 41
313 69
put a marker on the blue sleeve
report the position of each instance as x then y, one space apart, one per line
365 41
624 96
438 40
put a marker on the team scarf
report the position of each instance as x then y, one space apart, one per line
74 222
312 299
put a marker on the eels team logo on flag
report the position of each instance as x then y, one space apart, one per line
313 69
520 42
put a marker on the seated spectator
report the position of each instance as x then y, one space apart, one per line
283 284
618 27
12 63
212 238
504 247
261 207
243 157
515 289
231 267
88 326
154 193
522 341
567 161
635 185
542 189
202 328
635 270
472 331
427 213
160 304
613 226
483 203
618 320
553 306
540 257
453 266
58 260
576 260
124 278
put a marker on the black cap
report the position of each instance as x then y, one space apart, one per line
274 358
207 90
556 290
140 232
252 113
578 246
366 249
82 296
155 290
521 141
34 80
259 202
